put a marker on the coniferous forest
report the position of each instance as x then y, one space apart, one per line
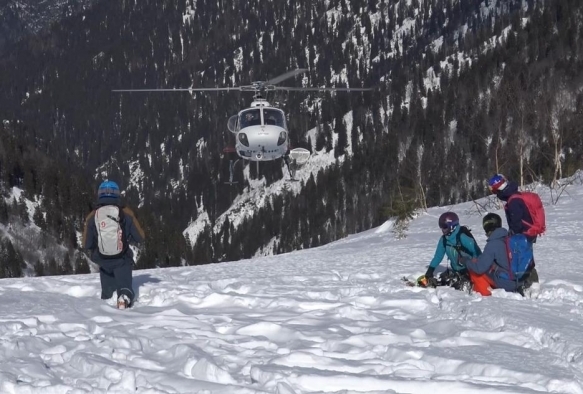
463 89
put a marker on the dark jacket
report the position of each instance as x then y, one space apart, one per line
516 210
494 261
132 228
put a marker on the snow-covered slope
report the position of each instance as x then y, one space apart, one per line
321 320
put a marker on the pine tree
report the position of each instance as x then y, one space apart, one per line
3 211
342 141
52 267
39 268
23 210
11 261
3 261
81 265
66 268
39 219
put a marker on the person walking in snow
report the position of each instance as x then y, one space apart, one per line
456 243
109 229
490 270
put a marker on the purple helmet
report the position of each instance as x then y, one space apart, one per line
448 221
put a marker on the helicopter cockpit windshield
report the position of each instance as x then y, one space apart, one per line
273 117
251 117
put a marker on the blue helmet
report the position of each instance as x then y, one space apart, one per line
448 221
108 189
497 183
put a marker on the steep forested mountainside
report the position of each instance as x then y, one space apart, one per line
38 227
19 18
464 88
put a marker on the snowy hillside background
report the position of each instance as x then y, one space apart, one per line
464 89
331 319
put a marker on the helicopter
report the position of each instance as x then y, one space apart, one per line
261 132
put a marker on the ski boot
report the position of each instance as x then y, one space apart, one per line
123 302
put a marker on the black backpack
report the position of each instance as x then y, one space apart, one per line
458 244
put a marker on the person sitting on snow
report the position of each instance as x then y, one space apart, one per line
490 270
456 243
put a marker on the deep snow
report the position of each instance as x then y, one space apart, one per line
327 319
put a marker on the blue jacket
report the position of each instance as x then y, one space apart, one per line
132 229
516 210
494 261
452 253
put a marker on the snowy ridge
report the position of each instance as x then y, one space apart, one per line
330 319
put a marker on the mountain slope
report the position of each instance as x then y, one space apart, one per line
19 18
464 89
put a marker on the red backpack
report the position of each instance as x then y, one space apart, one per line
536 210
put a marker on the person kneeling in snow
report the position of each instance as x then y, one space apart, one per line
457 243
491 270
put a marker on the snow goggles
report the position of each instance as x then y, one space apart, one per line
447 228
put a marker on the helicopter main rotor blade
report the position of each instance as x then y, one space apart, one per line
183 90
289 74
298 89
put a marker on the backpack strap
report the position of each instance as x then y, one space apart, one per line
509 257
513 196
121 222
458 243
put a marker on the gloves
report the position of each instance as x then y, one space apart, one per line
426 281
429 272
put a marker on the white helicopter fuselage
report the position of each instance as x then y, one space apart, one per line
260 132
261 143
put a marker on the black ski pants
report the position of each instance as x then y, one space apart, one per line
116 275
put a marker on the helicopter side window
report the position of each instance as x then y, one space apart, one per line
251 117
273 117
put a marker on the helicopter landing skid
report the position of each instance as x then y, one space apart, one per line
291 167
232 164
